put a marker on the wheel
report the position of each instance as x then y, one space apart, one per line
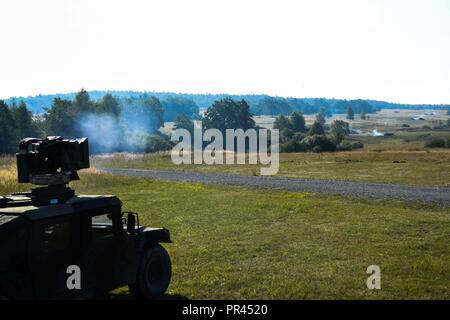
154 274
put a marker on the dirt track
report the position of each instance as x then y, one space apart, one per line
431 195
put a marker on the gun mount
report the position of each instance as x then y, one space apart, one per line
51 162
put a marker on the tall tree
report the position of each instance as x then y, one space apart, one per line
350 114
82 103
108 105
23 120
339 129
59 119
297 122
143 114
320 118
228 114
7 141
316 129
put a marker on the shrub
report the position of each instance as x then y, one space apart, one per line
281 122
350 145
316 129
157 143
437 142
318 143
299 136
286 135
297 122
291 146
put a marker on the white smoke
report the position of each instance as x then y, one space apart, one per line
102 131
377 133
129 131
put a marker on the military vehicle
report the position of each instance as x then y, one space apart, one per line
55 244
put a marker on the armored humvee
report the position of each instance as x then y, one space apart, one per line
57 245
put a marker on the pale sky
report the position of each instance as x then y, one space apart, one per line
393 50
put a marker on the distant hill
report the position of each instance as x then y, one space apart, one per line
37 104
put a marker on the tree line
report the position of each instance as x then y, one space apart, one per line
112 123
116 124
280 106
132 124
16 122
259 104
295 135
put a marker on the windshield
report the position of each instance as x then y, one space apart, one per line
104 219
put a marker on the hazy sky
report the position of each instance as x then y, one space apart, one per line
395 50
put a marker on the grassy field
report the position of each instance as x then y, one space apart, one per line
399 158
431 168
234 243
241 243
384 120
403 140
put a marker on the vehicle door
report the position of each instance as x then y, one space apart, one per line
108 251
52 249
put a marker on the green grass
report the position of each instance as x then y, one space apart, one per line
412 139
430 168
401 159
232 243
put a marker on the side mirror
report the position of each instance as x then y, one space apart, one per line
131 223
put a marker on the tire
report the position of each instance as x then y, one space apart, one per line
154 274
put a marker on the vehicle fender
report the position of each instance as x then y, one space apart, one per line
152 236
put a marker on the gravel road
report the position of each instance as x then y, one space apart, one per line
432 195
